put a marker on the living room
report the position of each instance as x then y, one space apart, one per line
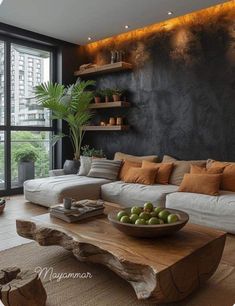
117 167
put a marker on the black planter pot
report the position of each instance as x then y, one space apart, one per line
26 171
71 166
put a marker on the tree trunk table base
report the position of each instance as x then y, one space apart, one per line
161 270
21 288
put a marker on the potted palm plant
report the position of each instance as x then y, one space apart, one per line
70 104
25 156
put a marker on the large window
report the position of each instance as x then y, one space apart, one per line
24 125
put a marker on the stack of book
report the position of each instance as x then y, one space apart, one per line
79 211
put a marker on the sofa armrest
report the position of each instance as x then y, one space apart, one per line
56 172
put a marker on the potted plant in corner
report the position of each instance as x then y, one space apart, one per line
70 104
25 156
117 94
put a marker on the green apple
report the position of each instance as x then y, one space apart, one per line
136 210
145 215
140 222
153 221
153 214
164 215
158 209
125 219
120 214
172 218
148 206
133 218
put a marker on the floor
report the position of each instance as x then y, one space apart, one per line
16 208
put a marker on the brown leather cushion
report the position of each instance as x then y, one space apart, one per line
123 156
194 169
164 171
141 176
127 164
228 176
180 168
201 183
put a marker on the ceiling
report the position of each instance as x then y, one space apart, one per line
75 20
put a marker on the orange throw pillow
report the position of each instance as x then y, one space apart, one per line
194 169
201 183
164 171
127 164
228 176
141 176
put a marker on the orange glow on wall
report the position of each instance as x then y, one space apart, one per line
94 51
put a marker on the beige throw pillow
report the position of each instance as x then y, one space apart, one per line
123 156
181 167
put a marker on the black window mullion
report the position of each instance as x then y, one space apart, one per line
8 115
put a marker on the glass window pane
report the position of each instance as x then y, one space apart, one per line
2 98
23 143
2 161
29 68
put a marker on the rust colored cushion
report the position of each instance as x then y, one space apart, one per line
164 171
194 169
201 183
180 168
141 176
228 176
127 164
124 156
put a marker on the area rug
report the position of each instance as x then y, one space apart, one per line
96 285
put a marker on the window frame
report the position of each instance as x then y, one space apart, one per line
7 128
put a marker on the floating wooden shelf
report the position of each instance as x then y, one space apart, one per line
106 128
120 66
110 104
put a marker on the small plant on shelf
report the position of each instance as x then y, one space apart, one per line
107 93
92 152
117 94
98 94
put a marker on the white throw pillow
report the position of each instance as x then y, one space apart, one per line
85 165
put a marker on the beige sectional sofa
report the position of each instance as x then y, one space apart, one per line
214 211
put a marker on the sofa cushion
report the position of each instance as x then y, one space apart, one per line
141 176
123 156
85 166
228 177
163 171
135 194
217 212
51 190
201 183
127 164
180 168
104 168
194 169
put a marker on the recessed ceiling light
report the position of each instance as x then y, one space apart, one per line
169 13
126 26
88 38
1 2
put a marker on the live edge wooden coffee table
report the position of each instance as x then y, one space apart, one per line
161 270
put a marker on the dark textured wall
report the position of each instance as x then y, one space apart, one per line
182 89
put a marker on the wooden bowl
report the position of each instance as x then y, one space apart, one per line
149 231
